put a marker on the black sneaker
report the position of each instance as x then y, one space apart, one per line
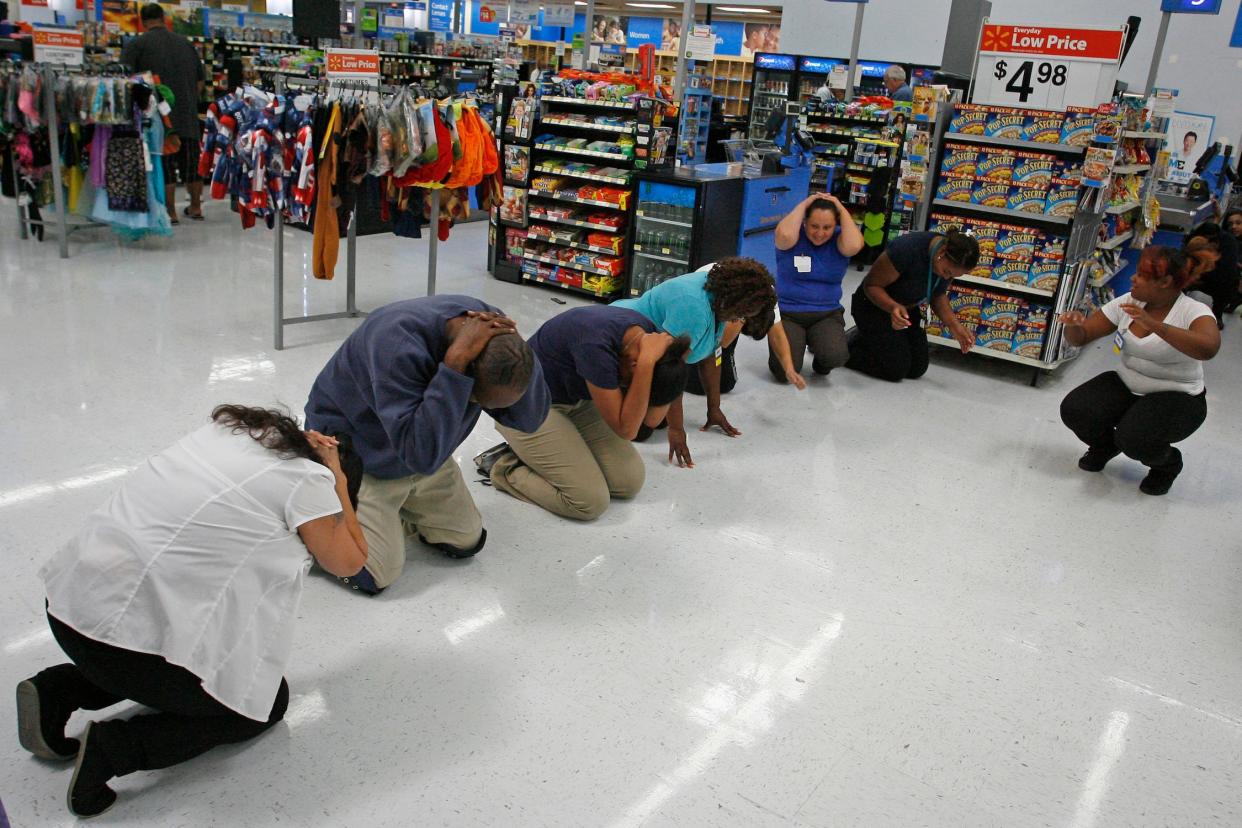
40 729
487 459
89 794
1159 480
1096 459
362 581
457 552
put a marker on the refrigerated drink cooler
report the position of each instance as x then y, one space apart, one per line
684 218
774 84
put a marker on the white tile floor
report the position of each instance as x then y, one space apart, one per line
882 606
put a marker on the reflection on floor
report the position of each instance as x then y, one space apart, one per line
883 605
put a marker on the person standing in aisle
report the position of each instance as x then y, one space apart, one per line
609 371
180 594
814 244
1220 282
889 342
711 308
1156 397
175 60
403 392
895 83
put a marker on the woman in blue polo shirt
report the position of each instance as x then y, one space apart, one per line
814 244
710 308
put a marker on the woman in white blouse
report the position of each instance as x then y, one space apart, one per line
180 592
1156 396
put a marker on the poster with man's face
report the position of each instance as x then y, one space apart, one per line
1190 135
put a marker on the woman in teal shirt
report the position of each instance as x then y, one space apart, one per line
711 309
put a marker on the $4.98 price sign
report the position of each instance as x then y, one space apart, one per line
1041 67
1026 74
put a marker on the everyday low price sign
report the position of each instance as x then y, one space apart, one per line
357 64
1046 67
61 46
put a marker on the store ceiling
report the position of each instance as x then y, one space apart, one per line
736 11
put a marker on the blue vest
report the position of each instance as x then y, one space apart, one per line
819 289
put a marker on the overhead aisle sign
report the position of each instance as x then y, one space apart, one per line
1046 67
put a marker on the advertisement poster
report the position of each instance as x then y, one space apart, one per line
440 18
645 30
761 37
610 29
1190 135
558 13
121 16
517 163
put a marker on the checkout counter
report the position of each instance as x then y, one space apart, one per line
691 216
1178 216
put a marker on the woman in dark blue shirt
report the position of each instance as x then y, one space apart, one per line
814 244
609 370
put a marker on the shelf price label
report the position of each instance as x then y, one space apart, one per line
61 46
1046 67
353 64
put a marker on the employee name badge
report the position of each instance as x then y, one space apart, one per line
802 264
1119 341
719 354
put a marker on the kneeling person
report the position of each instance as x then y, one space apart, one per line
403 392
609 371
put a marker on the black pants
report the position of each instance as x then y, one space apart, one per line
821 332
728 372
881 351
1108 417
188 721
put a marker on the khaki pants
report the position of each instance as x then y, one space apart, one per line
572 466
437 506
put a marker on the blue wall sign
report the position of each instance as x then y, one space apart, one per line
440 18
1191 6
644 30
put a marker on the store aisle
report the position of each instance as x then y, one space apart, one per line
881 606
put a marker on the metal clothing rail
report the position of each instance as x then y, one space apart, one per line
279 320
58 196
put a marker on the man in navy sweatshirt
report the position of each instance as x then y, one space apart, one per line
405 389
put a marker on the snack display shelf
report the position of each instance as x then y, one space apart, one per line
641 251
628 105
607 179
1000 212
598 294
849 119
997 283
840 133
259 45
1131 169
646 217
576 223
1130 133
1030 362
448 58
535 257
1103 281
590 248
614 156
1124 207
1034 146
568 122
568 199
1116 241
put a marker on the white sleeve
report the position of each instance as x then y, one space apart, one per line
1193 309
777 310
313 497
1113 309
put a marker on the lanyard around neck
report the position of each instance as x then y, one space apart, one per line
931 265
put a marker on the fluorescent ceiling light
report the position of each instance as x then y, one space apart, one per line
743 9
650 6
579 2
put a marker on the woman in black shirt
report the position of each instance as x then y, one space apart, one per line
889 342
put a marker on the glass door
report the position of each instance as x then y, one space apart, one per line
775 76
663 233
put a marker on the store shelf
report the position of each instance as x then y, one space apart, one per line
627 105
648 255
526 277
569 122
590 248
1129 133
1033 146
443 58
849 119
611 156
646 217
1020 360
608 179
575 200
577 223
534 257
997 283
266 45
842 134
1130 169
1116 241
1124 207
1016 215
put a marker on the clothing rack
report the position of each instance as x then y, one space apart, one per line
279 320
49 72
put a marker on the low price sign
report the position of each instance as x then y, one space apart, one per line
61 46
355 64
1046 67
